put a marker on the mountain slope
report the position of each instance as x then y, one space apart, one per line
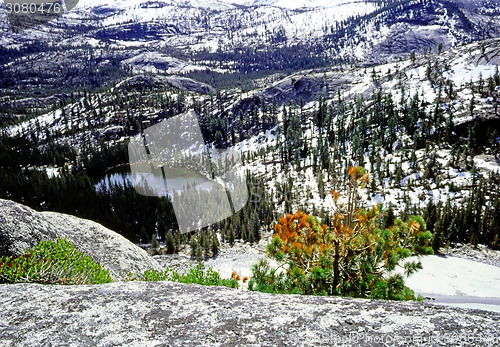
423 127
96 42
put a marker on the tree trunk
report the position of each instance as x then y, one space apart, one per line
336 270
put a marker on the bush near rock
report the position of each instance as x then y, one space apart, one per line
52 262
21 228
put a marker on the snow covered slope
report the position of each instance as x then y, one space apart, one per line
449 279
249 37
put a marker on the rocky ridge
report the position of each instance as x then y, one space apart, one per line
121 38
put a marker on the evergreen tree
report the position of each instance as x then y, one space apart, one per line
232 236
155 245
194 246
198 253
143 235
170 242
390 217
215 245
341 259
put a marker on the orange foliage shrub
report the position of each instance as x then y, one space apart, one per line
352 254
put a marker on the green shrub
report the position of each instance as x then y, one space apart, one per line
52 262
194 275
267 280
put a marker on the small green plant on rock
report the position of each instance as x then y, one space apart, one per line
52 262
194 275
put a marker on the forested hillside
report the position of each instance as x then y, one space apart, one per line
425 128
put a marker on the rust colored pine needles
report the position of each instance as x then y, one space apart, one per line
353 255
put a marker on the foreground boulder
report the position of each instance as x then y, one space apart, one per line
22 227
174 314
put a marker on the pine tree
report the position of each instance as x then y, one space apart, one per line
496 77
232 237
215 245
170 242
390 218
143 235
341 259
198 253
495 225
194 246
205 241
250 237
491 85
438 236
155 245
177 242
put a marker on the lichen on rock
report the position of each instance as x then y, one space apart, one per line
175 314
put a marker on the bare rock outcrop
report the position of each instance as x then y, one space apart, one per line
146 81
173 314
22 227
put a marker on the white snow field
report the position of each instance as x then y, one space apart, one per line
454 281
